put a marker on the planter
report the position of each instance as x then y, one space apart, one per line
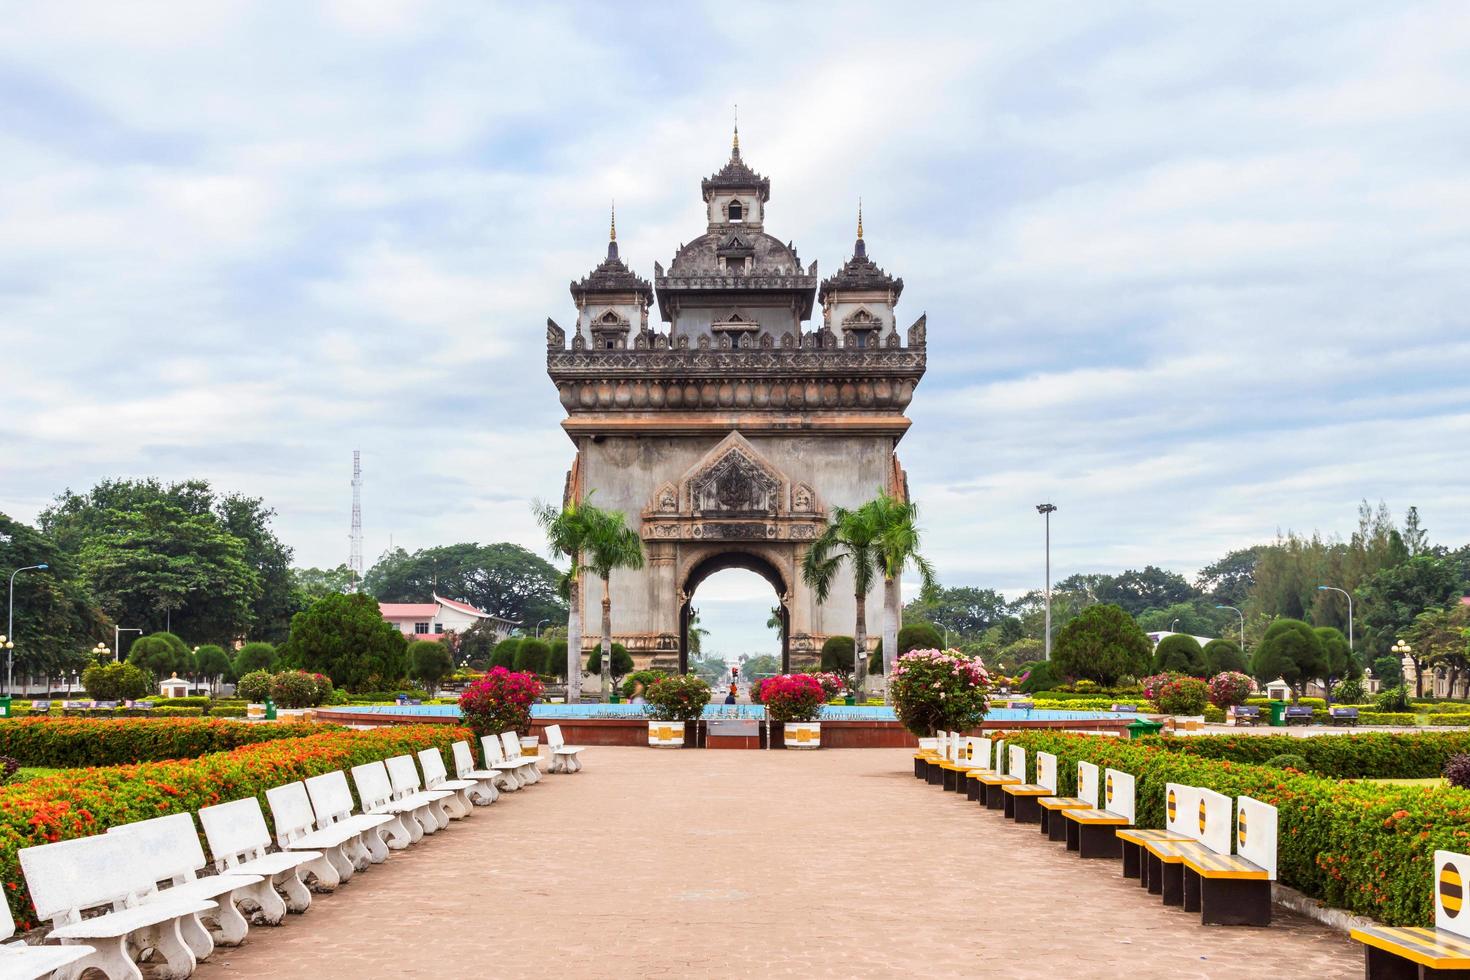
530 746
255 712
666 734
1189 723
803 734
290 714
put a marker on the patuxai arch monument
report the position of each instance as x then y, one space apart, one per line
728 424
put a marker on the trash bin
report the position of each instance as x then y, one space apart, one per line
1278 714
270 710
1142 726
4 706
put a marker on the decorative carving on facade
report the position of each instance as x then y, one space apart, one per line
667 499
803 500
918 331
556 337
735 484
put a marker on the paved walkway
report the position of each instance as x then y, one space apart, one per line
755 864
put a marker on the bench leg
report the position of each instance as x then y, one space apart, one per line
1057 827
323 870
1097 842
918 768
1007 805
1027 810
233 927
995 799
298 896
935 775
1130 858
111 958
972 788
342 859
1074 834
169 943
1235 902
484 792
457 806
1153 872
401 831
263 896
357 852
1172 883
1380 964
196 936
375 845
1191 890
439 811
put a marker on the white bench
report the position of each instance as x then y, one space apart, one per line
331 799
516 776
564 757
169 849
238 839
484 792
341 849
436 779
71 877
21 962
511 742
376 791
404 776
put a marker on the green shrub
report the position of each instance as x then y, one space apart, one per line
504 654
556 659
1183 696
1456 720
1041 677
1288 761
255 686
1349 692
678 697
117 682
622 661
1179 653
1373 755
189 702
1391 699
643 677
67 743
1224 655
1085 687
1394 718
837 655
229 711
252 657
211 662
532 656
161 654
429 661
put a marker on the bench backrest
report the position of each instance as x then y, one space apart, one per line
494 751
1255 839
1245 711
433 765
404 775
464 758
512 745
40 707
1212 820
999 766
1046 771
291 811
1345 712
1299 710
941 742
1016 762
373 785
236 831
1087 783
553 737
83 873
977 751
1118 794
331 797
168 847
1180 804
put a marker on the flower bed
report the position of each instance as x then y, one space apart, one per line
1375 755
1364 847
792 697
89 801
65 743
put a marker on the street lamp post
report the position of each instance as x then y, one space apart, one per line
1046 510
1406 659
1174 625
117 632
538 628
1333 588
946 632
10 623
1242 626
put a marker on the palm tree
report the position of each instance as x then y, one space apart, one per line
851 537
609 544
773 622
898 548
567 529
697 633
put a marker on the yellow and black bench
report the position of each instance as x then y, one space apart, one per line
1052 824
1226 889
1019 801
1091 833
989 788
973 787
1391 952
1132 841
1163 873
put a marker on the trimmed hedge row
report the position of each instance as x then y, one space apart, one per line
89 801
1365 847
67 743
1376 755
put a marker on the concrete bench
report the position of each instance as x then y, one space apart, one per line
169 848
436 779
105 872
21 962
1161 865
1052 824
1019 799
1179 803
988 791
295 822
484 792
928 748
1091 831
331 801
1232 889
975 757
375 790
1392 952
429 805
518 770
238 839
1298 714
511 742
1245 715
564 758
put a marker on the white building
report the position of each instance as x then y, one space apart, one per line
431 620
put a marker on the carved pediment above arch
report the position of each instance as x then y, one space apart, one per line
736 481
666 499
804 499
862 319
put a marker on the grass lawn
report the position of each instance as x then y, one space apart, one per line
31 772
1432 781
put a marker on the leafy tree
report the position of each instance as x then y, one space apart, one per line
478 644
1229 579
249 520
1198 617
1042 676
1179 652
897 525
430 662
968 612
1438 638
1102 644
161 654
56 620
710 668
1389 670
622 663
531 656
213 663
765 665
116 682
1152 588
1393 597
556 659
1224 655
505 653
1290 650
697 633
851 540
252 657
1020 653
913 636
307 585
1337 657
837 655
567 532
504 579
345 637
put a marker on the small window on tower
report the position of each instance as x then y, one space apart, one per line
735 266
609 344
737 213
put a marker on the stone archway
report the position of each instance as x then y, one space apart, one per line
714 559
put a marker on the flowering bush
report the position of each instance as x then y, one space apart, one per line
1229 688
1176 694
1152 683
1457 771
64 743
931 690
254 686
792 697
325 693
833 684
500 702
678 697
82 802
294 689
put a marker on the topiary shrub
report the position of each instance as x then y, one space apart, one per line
117 682
837 655
556 660
254 686
1457 771
254 656
1288 760
1179 653
430 662
1086 686
1040 677
1224 655
532 656
622 662
505 653
641 679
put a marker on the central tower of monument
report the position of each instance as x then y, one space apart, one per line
726 430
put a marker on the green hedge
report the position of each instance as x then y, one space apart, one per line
1374 755
228 711
1364 847
1457 719
88 801
129 712
1396 718
193 701
66 743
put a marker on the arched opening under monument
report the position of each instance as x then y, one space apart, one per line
747 617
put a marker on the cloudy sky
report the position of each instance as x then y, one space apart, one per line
1193 272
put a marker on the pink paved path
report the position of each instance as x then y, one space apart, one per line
742 864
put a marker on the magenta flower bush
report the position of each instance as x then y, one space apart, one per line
1229 688
500 702
938 689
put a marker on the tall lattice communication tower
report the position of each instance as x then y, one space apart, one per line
354 563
